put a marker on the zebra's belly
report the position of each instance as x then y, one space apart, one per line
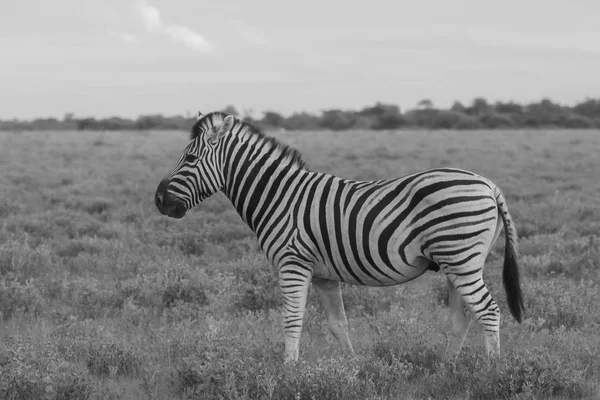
372 275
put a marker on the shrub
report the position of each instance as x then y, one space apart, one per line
180 289
184 292
578 122
91 298
112 358
450 120
258 284
16 298
498 121
328 379
32 371
530 376
20 261
469 123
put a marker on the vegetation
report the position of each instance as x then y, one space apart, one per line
479 115
101 297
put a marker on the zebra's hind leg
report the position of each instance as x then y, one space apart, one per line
330 293
468 282
459 319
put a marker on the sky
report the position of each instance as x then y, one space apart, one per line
127 58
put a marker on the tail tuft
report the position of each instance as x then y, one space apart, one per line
510 274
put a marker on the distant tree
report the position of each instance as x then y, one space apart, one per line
468 122
273 119
382 116
247 115
480 113
589 108
337 120
425 104
87 124
363 122
575 121
379 109
508 108
230 110
457 106
480 106
114 124
389 120
146 122
544 114
302 121
495 120
46 124
446 119
423 118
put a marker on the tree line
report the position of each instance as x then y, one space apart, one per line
479 114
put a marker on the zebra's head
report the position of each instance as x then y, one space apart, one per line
197 175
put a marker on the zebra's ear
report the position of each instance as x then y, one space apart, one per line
199 115
220 130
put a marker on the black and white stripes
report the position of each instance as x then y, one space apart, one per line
321 228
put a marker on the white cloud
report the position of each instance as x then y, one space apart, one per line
127 37
188 37
182 34
250 34
254 37
150 15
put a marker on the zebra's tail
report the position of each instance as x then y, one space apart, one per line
510 274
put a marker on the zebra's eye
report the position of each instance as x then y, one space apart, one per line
191 158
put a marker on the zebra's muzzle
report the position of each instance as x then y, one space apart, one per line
167 203
177 211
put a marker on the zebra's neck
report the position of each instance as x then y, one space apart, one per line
257 169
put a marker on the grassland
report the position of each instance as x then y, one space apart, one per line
103 298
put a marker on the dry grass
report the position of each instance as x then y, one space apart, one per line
103 298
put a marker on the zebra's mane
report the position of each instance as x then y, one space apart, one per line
209 120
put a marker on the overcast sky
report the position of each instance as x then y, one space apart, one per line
120 57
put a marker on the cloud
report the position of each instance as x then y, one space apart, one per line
127 37
254 37
182 34
249 33
188 37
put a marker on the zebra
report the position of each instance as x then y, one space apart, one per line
320 228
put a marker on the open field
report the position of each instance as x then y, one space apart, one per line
102 297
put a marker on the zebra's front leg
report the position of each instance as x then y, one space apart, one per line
293 282
330 293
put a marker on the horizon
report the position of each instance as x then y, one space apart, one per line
133 58
190 114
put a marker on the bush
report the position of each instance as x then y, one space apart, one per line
184 292
531 376
468 123
20 261
258 284
17 298
578 122
91 298
32 371
337 120
112 358
449 119
498 121
389 120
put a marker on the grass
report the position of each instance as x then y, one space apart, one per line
103 298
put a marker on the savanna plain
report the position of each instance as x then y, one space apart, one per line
101 297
